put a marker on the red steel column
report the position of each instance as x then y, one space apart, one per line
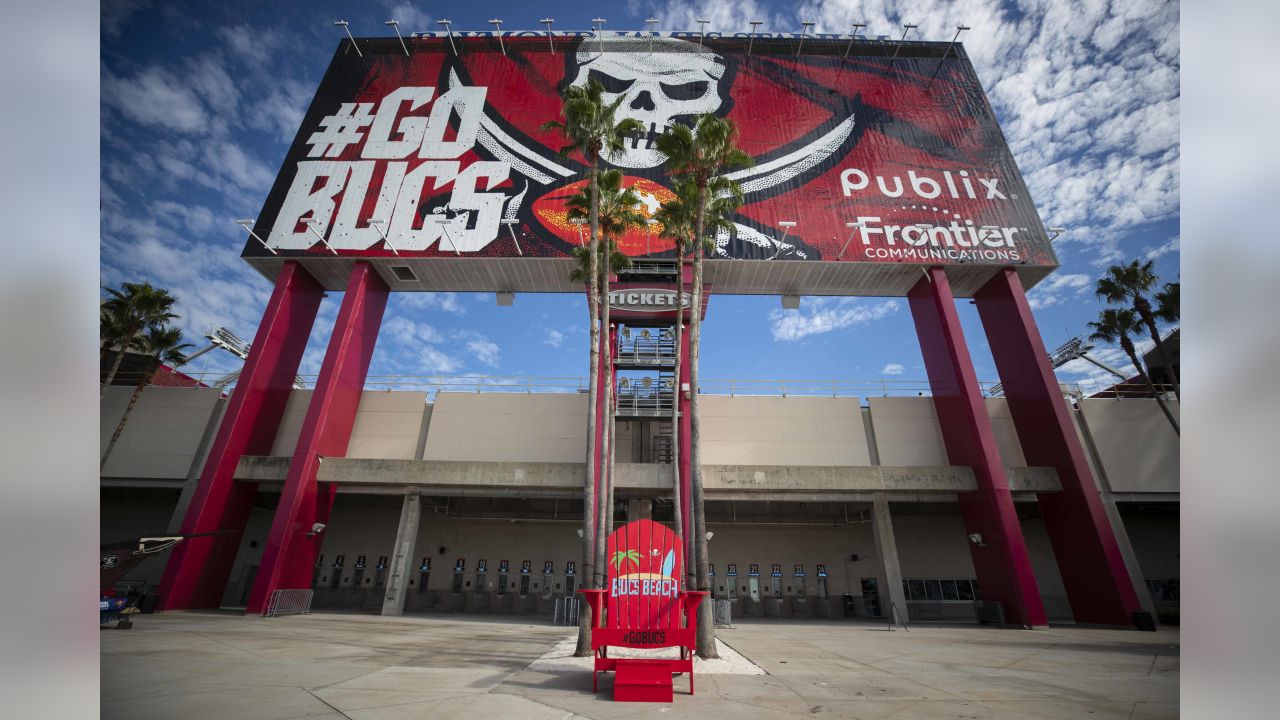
684 431
1084 544
289 557
196 574
1001 560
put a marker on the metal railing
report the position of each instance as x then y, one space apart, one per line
649 266
653 350
713 386
289 602
644 402
566 611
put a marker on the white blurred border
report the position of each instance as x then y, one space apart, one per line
48 372
1230 360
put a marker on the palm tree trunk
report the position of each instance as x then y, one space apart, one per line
706 617
675 408
1133 358
115 365
606 447
1148 319
115 437
583 648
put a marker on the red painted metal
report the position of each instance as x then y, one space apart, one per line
1089 558
639 680
685 430
642 605
1000 560
289 558
196 575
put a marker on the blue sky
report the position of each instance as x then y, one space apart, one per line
201 100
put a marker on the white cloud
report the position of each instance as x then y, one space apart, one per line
1173 245
821 315
486 351
554 338
893 369
433 361
443 301
1057 289
411 18
156 97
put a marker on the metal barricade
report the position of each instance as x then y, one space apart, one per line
566 611
723 613
289 602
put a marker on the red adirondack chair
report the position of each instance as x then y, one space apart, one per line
642 606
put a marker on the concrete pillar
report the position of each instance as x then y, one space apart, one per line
886 542
1089 558
1000 560
196 575
289 557
887 551
402 554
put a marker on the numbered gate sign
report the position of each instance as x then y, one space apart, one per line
822 570
753 570
503 567
360 561
549 568
570 567
525 566
731 570
482 566
459 565
426 564
798 571
776 570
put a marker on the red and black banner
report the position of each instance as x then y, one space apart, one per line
440 154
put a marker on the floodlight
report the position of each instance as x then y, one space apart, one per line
947 52
786 226
496 22
856 27
703 22
345 26
853 230
906 28
386 240
396 24
509 222
444 223
311 225
752 37
548 22
1056 232
449 28
804 30
247 224
597 24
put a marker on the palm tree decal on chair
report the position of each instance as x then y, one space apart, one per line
621 556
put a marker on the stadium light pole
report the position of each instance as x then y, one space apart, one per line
906 28
548 22
375 224
804 30
786 226
752 37
448 26
856 27
703 36
311 225
345 26
853 230
651 21
509 222
597 24
947 52
396 24
497 22
247 224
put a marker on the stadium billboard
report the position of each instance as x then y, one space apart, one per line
436 153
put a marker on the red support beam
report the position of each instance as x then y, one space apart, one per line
196 574
1000 560
1089 558
289 557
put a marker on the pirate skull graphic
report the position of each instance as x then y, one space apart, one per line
675 83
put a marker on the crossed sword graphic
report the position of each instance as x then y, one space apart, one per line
755 179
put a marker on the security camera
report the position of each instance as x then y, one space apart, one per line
976 539
316 529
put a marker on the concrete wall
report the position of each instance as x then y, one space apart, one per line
163 432
1155 540
752 430
508 427
386 426
1045 566
1138 447
907 431
788 545
931 542
134 512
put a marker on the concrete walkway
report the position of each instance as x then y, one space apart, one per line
212 665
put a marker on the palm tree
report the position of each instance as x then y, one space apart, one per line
1167 307
126 315
701 156
1132 283
592 129
1116 326
161 344
618 211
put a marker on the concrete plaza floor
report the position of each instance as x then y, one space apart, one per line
216 665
